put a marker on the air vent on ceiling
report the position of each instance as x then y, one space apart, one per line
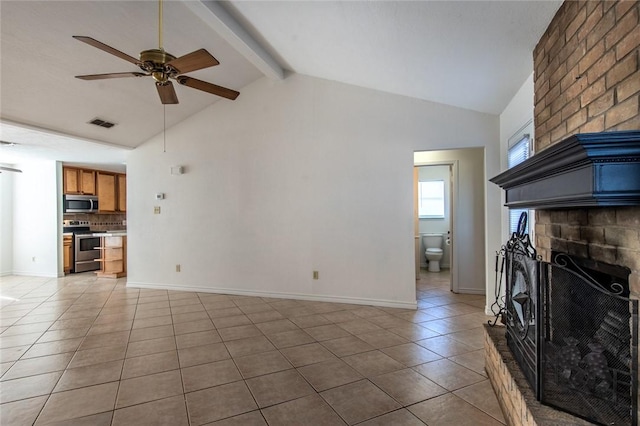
102 123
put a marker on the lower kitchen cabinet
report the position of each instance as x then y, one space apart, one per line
67 253
113 256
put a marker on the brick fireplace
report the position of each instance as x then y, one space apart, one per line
586 80
570 323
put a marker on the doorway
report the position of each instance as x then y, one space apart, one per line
468 224
435 191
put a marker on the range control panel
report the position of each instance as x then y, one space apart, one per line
68 223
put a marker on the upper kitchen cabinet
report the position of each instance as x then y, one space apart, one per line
79 181
112 192
107 192
122 192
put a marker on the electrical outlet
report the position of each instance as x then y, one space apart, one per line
156 210
178 267
316 275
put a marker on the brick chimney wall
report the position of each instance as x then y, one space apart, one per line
587 79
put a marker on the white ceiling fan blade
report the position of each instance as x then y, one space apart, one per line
10 169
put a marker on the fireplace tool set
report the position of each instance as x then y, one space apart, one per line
518 245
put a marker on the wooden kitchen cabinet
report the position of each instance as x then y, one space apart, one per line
106 186
67 253
113 256
111 188
71 183
78 181
88 182
122 192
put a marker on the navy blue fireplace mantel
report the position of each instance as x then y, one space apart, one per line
583 170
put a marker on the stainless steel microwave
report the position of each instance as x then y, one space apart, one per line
80 204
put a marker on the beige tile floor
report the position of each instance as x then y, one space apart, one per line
85 351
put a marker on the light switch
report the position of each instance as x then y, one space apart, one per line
156 210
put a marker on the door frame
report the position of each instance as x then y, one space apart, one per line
453 204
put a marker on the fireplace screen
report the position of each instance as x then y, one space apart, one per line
589 344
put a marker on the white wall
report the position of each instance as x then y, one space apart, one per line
294 176
517 114
6 222
436 225
36 228
469 232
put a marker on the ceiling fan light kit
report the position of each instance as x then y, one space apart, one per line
164 67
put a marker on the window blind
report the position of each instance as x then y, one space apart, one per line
517 153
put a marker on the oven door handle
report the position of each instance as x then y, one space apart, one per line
81 262
91 201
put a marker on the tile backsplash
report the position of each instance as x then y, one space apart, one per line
101 222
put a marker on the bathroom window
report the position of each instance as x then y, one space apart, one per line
519 149
431 199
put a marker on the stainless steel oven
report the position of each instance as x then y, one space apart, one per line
85 243
86 252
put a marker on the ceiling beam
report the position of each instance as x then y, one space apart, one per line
229 29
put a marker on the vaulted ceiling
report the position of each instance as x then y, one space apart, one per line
469 54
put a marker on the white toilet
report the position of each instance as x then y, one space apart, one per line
433 250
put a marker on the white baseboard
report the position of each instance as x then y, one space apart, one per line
297 296
34 274
478 291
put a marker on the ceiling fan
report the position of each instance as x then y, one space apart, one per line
163 67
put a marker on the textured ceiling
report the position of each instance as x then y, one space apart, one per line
472 54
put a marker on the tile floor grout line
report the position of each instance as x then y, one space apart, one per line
126 349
